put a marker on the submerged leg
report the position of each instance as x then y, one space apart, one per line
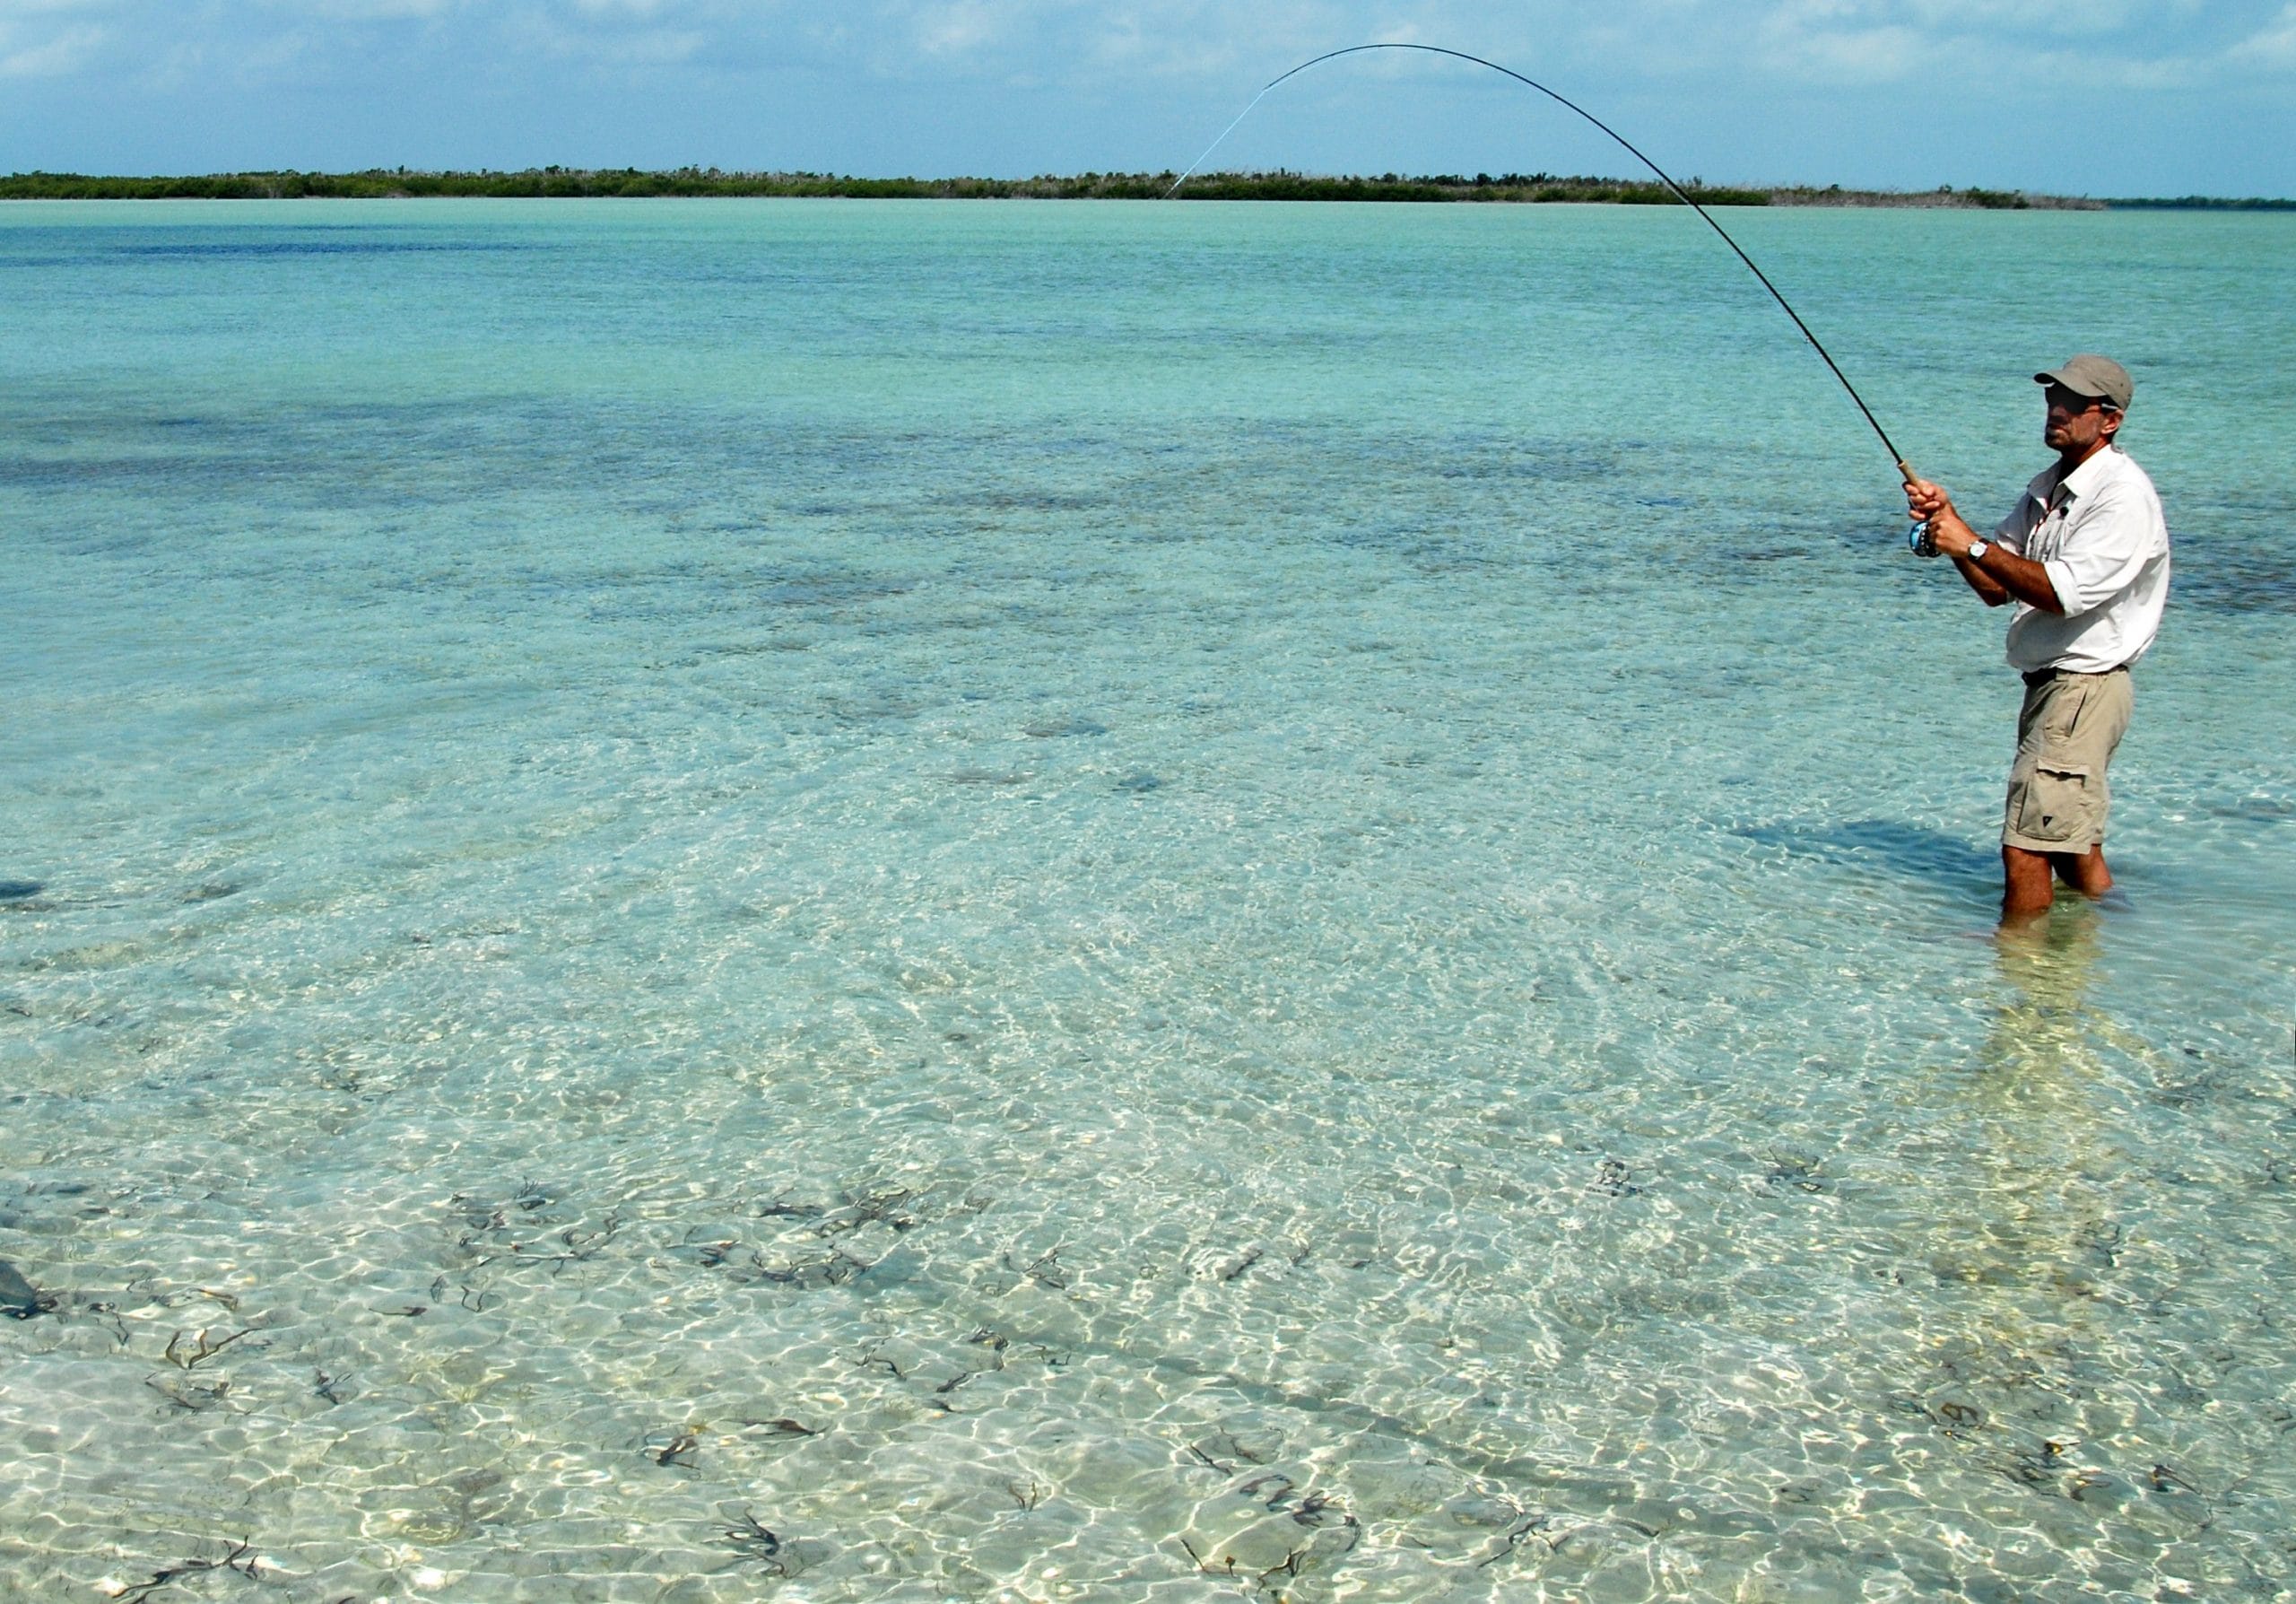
2025 889
2086 873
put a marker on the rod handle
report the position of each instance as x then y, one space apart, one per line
1905 469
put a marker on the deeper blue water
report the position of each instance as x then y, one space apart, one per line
904 902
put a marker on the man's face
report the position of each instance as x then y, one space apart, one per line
2076 423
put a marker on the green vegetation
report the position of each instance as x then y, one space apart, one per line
1282 184
1537 187
380 183
2201 202
1945 195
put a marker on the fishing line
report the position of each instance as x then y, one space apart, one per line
1815 345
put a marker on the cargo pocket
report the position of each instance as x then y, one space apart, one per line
2055 804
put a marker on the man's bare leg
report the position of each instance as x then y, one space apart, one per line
2026 890
2026 877
2086 874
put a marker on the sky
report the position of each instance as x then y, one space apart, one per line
2103 98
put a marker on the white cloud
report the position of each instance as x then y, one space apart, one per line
1209 47
2008 46
365 11
2272 46
642 36
1072 41
50 54
1839 41
645 48
50 39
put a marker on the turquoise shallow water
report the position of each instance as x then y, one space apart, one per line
1099 901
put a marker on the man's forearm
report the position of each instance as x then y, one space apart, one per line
1954 538
2018 578
1989 589
2001 575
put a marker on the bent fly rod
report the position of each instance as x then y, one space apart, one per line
1815 345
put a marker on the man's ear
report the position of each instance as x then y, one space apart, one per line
2108 422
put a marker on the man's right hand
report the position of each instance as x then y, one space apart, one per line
1927 504
1924 501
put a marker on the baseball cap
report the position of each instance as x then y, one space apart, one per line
2100 378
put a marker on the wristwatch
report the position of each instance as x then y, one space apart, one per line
1978 549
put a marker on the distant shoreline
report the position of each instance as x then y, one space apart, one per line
581 183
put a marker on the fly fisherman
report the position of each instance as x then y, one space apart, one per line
2084 557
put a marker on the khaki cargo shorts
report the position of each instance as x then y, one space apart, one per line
2066 736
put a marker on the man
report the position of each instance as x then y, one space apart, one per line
2085 559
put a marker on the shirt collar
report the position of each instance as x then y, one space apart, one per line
2085 479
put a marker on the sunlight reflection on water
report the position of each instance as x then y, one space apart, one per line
980 901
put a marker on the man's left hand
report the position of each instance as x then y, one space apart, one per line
1925 503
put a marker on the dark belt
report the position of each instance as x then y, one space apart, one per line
2041 677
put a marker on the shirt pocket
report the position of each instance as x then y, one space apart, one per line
2047 539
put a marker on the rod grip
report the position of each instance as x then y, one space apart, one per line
1906 469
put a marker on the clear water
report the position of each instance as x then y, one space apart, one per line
1120 902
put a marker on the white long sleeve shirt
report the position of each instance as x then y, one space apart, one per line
2102 537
